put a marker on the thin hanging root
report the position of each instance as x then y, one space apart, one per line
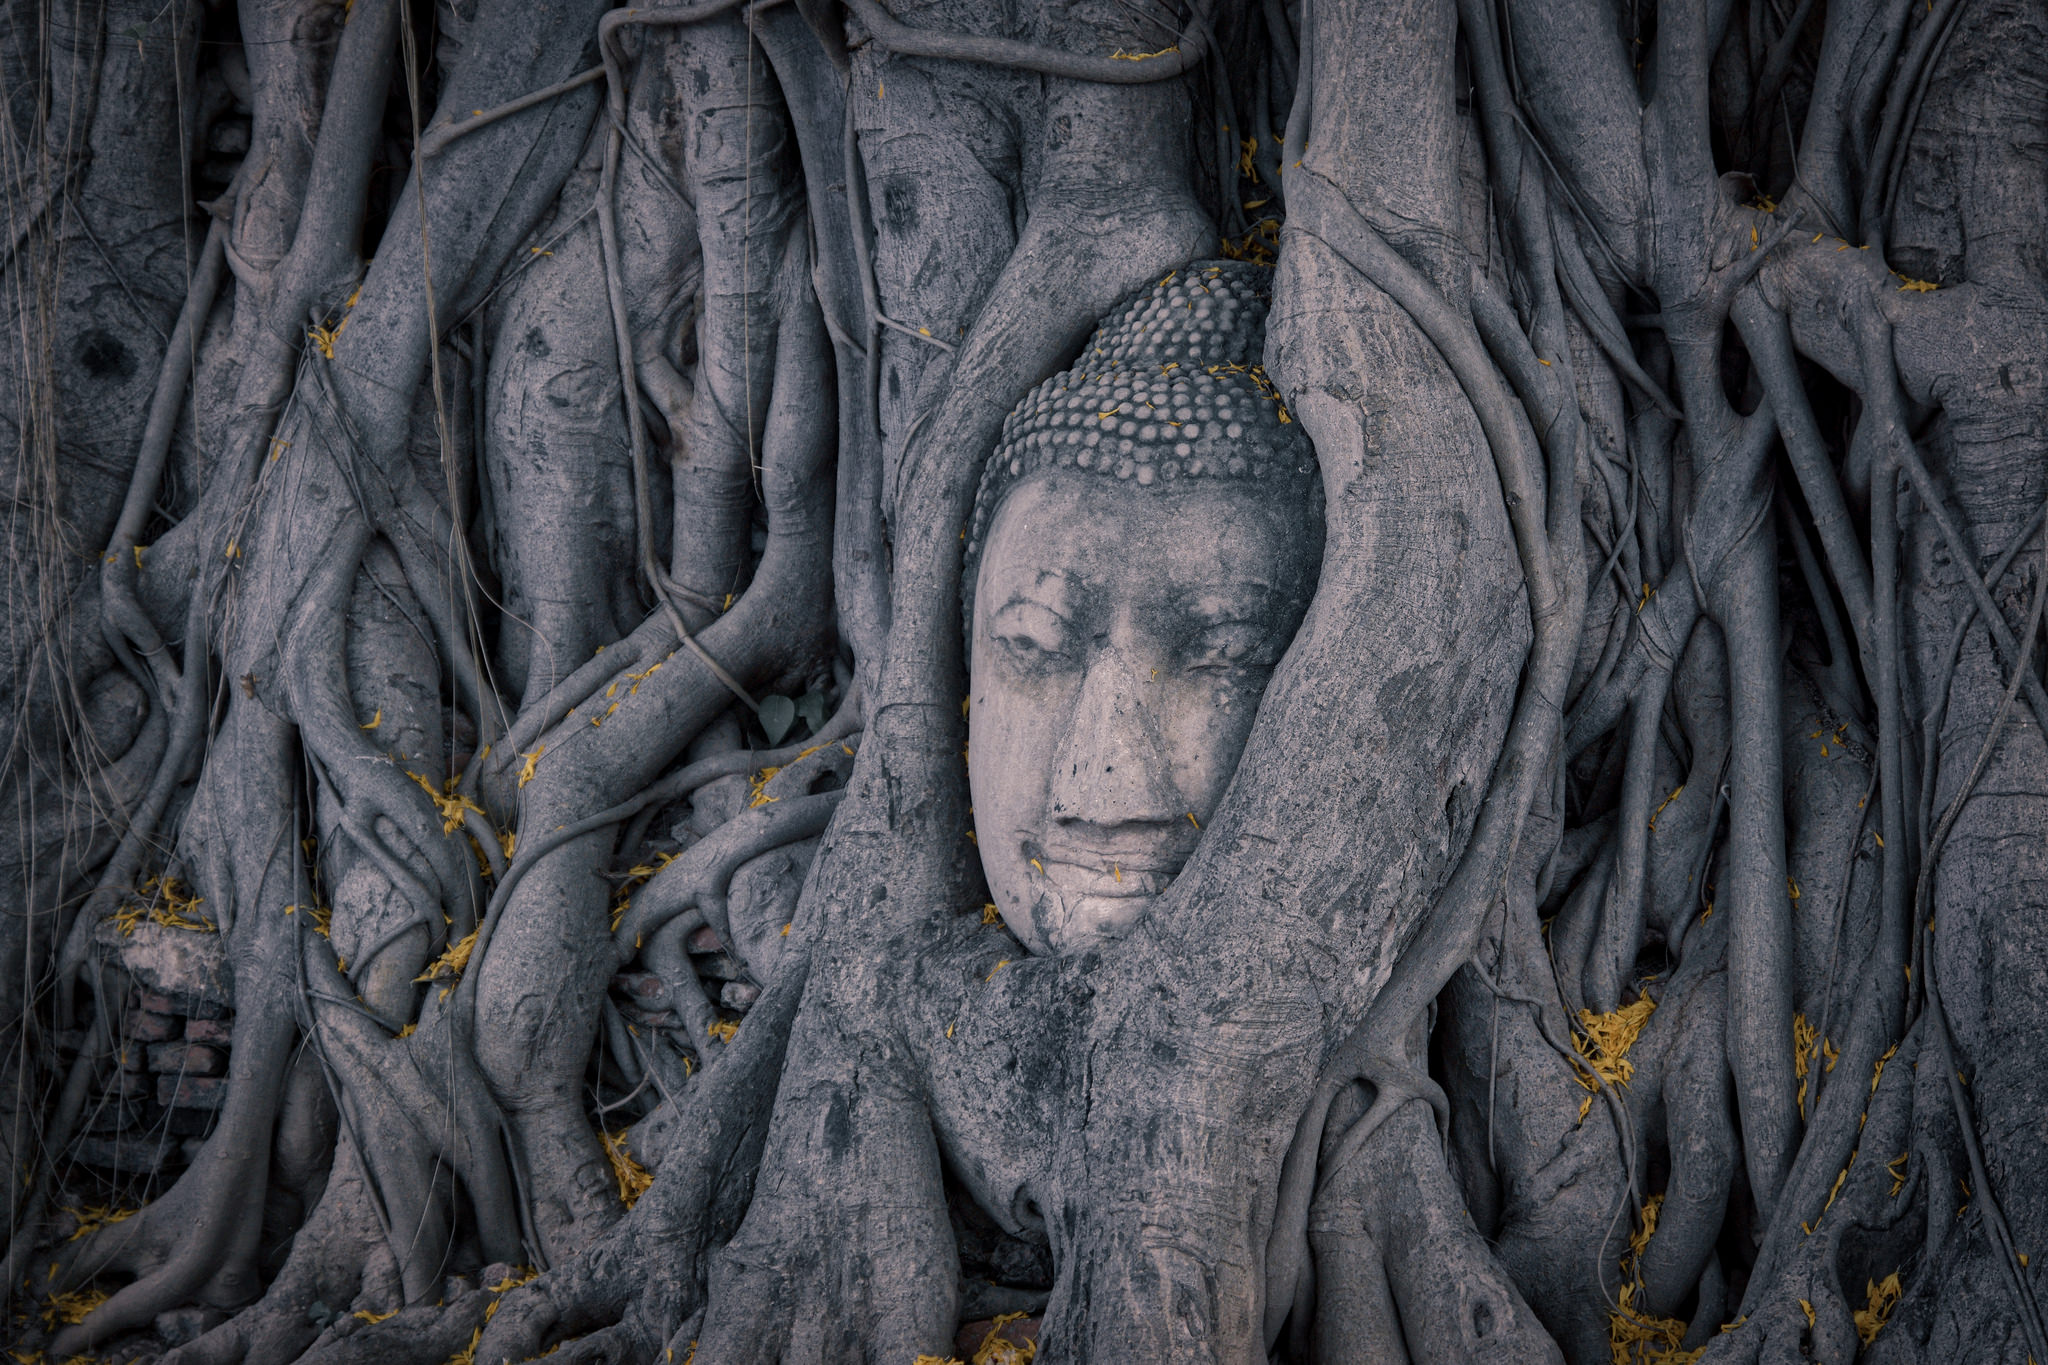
117 579
70 1107
1122 68
1760 968
441 135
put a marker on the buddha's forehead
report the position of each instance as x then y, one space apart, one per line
1061 533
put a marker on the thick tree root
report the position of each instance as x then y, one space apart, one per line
1394 1211
339 1259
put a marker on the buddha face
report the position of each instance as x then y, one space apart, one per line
1121 640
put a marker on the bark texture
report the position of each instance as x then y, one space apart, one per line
491 868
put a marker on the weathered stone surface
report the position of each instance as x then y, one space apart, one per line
188 967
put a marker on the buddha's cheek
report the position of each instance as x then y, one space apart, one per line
1010 752
1206 735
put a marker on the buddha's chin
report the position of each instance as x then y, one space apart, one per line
1073 923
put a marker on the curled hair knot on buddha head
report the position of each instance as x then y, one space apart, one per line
1170 387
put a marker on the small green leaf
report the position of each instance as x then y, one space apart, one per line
777 715
811 707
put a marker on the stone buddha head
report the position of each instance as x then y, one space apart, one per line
1145 540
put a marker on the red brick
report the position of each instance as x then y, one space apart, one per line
191 1092
640 985
633 1014
146 1027
219 1032
194 1059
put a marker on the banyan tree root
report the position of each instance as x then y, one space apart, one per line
497 439
1400 1270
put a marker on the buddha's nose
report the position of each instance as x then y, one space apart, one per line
1112 766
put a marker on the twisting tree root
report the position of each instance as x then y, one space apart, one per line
490 485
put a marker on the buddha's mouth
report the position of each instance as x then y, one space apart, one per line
1108 876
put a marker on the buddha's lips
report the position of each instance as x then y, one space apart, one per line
1089 874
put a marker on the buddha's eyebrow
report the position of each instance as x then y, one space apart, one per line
1223 601
1049 588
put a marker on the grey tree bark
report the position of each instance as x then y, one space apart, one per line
492 867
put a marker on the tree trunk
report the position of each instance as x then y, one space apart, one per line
497 494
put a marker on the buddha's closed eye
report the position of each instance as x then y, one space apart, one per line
1031 632
1227 645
